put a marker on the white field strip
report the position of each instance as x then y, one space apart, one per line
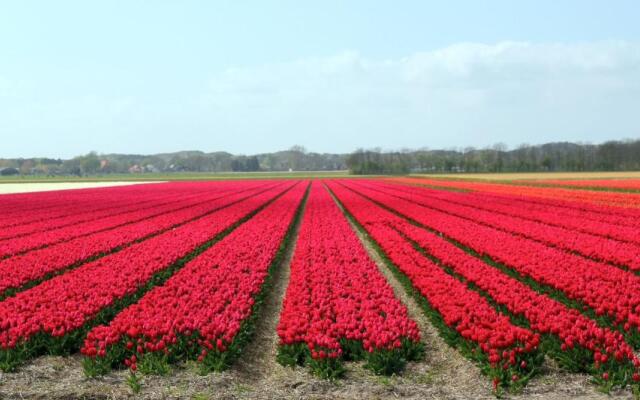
7 188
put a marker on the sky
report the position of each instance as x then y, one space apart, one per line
258 76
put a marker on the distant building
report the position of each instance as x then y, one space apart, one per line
151 168
135 169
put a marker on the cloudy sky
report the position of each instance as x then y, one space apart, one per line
255 76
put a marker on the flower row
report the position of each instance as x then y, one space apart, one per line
618 228
20 270
507 353
53 314
600 184
25 208
574 333
631 201
202 309
47 237
337 302
140 201
481 211
608 290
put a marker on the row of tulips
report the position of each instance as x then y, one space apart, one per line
589 212
592 212
588 245
596 184
203 310
507 353
338 305
53 316
607 290
45 238
140 201
581 221
32 267
610 200
40 206
576 341
629 217
33 201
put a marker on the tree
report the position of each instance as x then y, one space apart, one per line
25 167
296 155
499 150
90 163
252 164
368 162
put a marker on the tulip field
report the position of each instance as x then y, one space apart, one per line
326 277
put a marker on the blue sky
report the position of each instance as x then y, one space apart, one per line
256 76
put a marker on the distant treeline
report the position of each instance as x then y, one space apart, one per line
609 156
295 159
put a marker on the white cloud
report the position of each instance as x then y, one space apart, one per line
461 95
509 91
460 65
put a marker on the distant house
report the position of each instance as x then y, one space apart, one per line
175 168
135 169
104 164
9 171
151 168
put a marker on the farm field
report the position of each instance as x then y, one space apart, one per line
511 176
410 287
604 181
172 176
